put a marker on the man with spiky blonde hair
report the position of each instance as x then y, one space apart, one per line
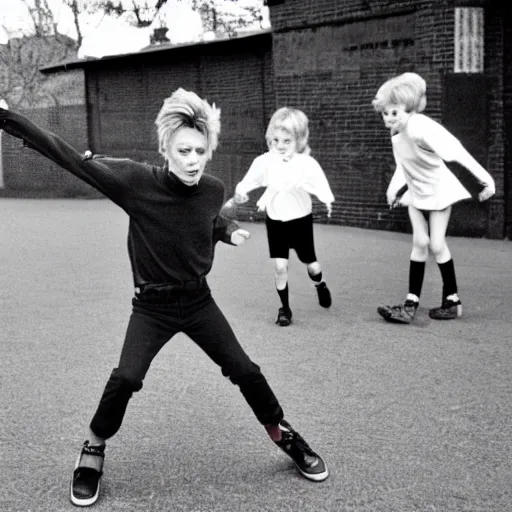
174 226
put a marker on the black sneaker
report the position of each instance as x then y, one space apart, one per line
85 485
449 310
284 317
401 314
324 295
309 463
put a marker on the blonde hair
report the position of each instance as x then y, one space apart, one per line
295 122
185 109
407 89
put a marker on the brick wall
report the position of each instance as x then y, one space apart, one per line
292 14
507 100
330 57
494 71
28 174
125 97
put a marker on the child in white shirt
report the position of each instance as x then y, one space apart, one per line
421 146
290 175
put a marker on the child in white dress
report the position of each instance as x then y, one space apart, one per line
421 146
290 175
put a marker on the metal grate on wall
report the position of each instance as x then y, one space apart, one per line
469 40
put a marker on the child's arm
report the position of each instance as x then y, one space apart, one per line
426 131
397 186
255 178
316 183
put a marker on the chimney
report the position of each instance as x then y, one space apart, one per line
159 36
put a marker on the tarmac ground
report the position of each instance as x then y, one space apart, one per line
408 418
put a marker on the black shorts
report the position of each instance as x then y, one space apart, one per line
292 234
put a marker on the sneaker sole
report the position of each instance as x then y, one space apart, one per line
314 477
87 502
392 320
458 314
84 502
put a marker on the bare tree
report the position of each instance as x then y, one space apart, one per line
21 82
226 16
77 7
218 16
42 17
142 12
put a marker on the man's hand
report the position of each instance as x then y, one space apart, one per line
329 210
239 236
240 198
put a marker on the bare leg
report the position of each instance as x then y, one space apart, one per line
438 226
281 273
314 268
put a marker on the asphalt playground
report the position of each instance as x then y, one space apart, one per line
408 418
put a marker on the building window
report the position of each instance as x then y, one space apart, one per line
469 40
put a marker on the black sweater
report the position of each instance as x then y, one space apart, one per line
173 227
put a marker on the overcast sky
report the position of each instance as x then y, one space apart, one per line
105 35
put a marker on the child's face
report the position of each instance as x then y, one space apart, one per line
395 117
284 144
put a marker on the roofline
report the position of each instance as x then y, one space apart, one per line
83 63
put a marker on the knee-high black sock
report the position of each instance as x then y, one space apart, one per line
416 275
449 280
317 278
283 295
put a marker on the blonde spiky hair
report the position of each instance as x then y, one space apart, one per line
408 89
185 109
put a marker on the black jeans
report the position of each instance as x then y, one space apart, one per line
152 324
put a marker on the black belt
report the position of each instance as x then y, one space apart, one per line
163 290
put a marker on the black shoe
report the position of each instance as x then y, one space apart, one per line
324 295
401 314
85 485
449 310
284 317
309 463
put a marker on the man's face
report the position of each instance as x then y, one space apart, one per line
395 117
188 155
284 144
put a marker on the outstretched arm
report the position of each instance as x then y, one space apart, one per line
255 178
105 175
426 131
